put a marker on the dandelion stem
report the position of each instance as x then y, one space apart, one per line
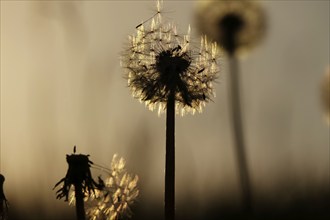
80 209
238 134
170 159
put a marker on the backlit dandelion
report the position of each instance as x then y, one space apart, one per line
165 70
161 63
115 199
236 25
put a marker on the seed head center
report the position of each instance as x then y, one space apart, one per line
171 64
231 23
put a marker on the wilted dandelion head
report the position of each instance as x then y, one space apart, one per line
236 25
160 62
78 173
115 199
325 94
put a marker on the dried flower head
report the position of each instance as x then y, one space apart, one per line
116 197
160 62
325 94
236 25
78 174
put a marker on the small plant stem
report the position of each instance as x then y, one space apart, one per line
238 134
80 209
170 159
3 200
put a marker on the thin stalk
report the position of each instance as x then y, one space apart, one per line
238 134
170 159
80 209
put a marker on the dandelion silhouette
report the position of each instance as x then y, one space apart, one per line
79 176
119 193
161 64
3 200
165 70
237 26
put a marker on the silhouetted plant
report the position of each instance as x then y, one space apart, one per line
116 197
164 69
3 200
325 95
79 176
237 26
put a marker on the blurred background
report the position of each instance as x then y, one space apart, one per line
62 85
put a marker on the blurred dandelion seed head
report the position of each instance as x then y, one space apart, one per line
237 26
160 62
325 94
115 199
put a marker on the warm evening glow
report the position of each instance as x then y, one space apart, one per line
62 84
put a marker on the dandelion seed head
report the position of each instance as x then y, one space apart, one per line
115 199
160 62
236 25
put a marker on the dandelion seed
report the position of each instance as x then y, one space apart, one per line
236 25
161 62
